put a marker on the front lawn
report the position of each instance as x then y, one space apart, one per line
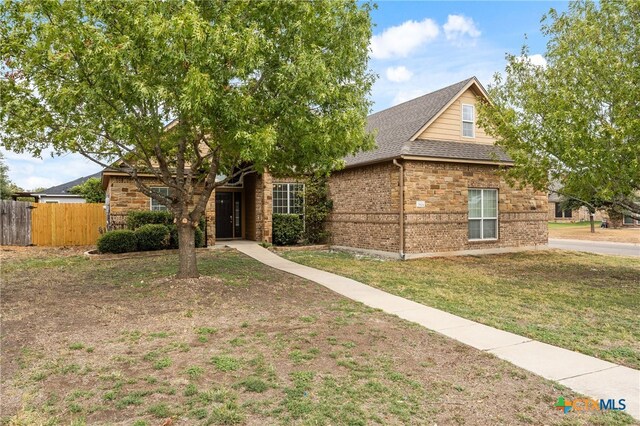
106 342
582 231
583 302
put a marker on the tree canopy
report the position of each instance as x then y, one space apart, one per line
242 85
574 123
91 190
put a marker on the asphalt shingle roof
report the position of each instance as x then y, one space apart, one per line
396 125
64 188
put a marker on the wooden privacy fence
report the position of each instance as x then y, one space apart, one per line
67 224
44 224
15 223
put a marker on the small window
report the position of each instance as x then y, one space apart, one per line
155 204
468 121
483 214
288 198
558 211
627 220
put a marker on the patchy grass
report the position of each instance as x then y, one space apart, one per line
583 302
242 344
582 231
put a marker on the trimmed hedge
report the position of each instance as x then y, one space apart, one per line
173 240
287 229
123 241
152 237
136 219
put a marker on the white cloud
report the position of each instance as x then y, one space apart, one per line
29 172
401 40
538 60
461 30
399 74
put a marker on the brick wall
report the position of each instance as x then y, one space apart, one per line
442 224
365 207
366 203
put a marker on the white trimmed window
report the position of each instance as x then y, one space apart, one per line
288 198
628 220
483 214
155 204
468 120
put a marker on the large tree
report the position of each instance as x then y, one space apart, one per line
574 124
245 86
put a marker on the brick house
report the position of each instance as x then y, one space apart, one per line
430 186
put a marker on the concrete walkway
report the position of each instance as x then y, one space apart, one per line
599 247
582 373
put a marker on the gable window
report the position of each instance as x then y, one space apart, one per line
483 214
288 198
155 204
468 120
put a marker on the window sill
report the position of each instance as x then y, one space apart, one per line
483 240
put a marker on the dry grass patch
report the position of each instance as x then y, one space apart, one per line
583 302
244 344
582 231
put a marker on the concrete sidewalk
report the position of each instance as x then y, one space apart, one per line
598 247
582 373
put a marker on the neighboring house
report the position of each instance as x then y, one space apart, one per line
60 193
558 214
430 186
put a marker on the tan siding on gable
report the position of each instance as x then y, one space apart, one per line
448 126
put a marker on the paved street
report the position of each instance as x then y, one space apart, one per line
600 247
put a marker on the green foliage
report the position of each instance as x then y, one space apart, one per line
91 190
245 85
173 240
287 229
576 121
123 241
7 188
136 219
318 206
152 237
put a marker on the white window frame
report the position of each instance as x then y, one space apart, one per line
158 205
472 121
482 217
289 203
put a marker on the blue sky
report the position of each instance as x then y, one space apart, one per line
418 47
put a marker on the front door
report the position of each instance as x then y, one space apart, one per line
228 220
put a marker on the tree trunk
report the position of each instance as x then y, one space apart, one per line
593 223
187 251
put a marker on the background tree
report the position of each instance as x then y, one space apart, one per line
575 123
244 86
91 190
7 188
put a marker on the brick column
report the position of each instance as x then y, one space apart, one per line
210 215
267 207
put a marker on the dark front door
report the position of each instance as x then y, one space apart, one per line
228 221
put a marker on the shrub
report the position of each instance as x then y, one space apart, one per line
318 206
136 219
152 237
287 229
173 239
123 241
